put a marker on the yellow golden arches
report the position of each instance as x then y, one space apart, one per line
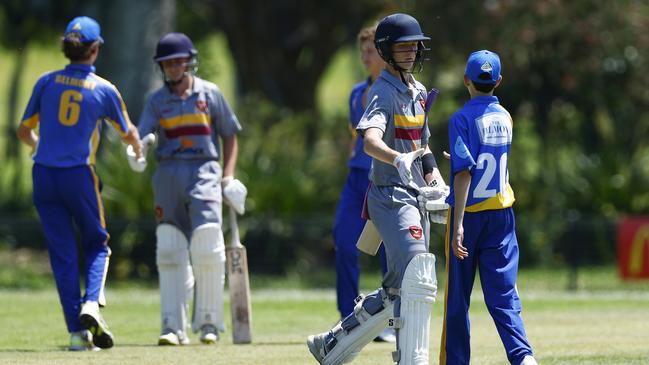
636 257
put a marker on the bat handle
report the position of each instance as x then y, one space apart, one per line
234 229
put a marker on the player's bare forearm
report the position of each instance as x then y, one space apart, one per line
230 152
376 148
461 188
27 136
132 137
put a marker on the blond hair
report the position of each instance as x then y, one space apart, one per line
366 34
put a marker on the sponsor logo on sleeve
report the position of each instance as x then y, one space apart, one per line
460 148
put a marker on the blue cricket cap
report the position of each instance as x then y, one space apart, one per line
484 63
87 28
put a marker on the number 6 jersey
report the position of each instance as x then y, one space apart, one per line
480 136
70 105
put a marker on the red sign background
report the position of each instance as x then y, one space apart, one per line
633 247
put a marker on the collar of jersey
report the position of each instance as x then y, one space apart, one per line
396 82
196 85
80 67
483 99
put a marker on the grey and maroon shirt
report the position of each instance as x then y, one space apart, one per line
188 129
398 111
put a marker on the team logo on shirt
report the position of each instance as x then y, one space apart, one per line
404 108
186 143
201 105
416 232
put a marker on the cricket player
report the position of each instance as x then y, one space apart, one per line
348 223
396 136
190 116
482 228
69 107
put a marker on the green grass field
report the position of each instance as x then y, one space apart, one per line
605 322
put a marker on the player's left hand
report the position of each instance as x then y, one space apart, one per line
433 200
234 193
458 243
432 194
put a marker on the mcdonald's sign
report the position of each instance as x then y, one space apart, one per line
633 248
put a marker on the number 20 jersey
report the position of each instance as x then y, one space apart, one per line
480 136
70 105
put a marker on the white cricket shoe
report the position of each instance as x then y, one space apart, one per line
82 341
529 360
316 344
387 335
92 320
171 338
209 334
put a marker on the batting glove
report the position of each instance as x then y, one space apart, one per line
139 164
234 193
403 163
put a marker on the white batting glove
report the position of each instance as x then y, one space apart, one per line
433 198
403 163
234 193
139 164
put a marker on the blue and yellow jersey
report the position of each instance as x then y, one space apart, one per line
480 136
359 158
68 106
398 111
188 128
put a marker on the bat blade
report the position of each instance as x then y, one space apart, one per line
369 240
239 286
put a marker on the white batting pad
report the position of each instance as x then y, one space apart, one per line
176 280
352 334
208 259
418 291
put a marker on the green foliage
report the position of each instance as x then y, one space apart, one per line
24 269
575 82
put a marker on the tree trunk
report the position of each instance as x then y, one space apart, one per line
281 48
11 149
131 30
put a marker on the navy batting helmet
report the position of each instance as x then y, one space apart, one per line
174 45
399 28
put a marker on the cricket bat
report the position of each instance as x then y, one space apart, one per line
370 239
238 285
